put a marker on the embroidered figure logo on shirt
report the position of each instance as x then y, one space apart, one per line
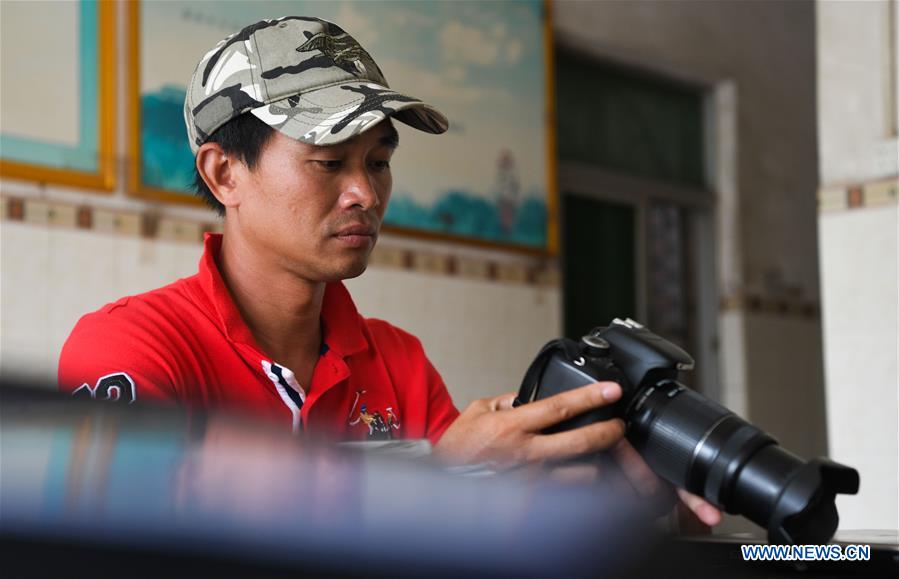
393 421
379 427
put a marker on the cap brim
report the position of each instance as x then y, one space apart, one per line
333 114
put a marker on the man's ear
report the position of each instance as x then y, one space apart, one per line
221 172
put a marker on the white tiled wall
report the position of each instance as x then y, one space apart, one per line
480 335
861 343
856 76
51 277
857 93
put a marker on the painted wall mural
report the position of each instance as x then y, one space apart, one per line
482 64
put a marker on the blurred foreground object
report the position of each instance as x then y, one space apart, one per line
94 489
103 488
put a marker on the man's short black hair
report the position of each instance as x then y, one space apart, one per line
244 137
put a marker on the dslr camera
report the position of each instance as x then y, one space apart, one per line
689 440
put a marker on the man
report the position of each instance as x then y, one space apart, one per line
290 122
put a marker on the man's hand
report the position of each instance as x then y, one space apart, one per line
491 431
647 483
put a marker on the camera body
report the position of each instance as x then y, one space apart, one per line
624 352
694 443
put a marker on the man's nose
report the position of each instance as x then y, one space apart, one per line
359 190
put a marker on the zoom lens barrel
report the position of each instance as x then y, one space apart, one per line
708 450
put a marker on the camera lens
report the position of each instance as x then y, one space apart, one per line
706 449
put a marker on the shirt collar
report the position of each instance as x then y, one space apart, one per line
342 326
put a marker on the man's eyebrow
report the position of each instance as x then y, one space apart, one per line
392 139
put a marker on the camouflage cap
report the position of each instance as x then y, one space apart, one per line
305 77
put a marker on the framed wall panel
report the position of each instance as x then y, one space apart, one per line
58 85
488 181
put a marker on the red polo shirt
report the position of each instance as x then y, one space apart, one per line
187 343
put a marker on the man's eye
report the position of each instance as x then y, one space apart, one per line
380 165
329 164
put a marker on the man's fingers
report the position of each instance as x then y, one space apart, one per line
706 512
503 402
635 469
591 438
555 409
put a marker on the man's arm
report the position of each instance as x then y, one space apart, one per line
442 413
106 362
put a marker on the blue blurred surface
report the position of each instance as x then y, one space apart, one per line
104 478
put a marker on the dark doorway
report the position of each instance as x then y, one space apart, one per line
634 199
599 263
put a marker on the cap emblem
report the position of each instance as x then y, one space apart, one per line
343 51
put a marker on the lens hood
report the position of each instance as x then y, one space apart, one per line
805 513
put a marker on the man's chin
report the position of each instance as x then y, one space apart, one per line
347 270
356 271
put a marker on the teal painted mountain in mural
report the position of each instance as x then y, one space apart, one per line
167 163
463 213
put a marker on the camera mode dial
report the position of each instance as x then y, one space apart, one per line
595 347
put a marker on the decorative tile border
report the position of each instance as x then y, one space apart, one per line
780 306
114 222
871 194
149 225
465 267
